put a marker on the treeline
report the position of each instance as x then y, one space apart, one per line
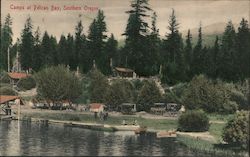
174 58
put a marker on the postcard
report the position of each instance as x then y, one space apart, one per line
124 78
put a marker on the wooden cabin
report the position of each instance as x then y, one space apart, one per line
15 77
6 101
124 72
97 107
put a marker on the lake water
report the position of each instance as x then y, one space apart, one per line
55 139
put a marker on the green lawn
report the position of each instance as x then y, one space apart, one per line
216 130
220 117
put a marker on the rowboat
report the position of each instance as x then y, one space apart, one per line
162 134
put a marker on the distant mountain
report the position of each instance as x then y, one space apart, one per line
216 28
209 32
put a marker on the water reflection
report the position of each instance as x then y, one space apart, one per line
49 140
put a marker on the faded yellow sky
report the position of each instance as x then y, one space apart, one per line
189 14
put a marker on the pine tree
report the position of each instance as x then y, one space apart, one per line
243 50
97 38
70 51
6 42
62 51
227 57
152 57
188 54
27 45
46 50
110 54
197 67
79 45
214 59
37 56
173 65
136 41
53 50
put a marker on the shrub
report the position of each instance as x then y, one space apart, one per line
57 83
239 93
26 83
120 91
148 95
236 131
98 86
193 120
7 91
210 96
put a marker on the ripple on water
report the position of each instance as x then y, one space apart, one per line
38 139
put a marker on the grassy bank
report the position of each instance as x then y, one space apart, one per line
208 147
220 117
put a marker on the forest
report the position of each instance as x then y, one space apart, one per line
174 58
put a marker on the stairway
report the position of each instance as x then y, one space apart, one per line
158 84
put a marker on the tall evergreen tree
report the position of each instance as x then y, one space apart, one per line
70 51
79 45
97 38
63 56
152 57
227 57
27 45
243 50
37 56
49 50
53 50
197 67
213 72
46 50
110 54
188 50
173 65
136 31
6 42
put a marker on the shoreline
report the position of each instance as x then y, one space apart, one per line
197 141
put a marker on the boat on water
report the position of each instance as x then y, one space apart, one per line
141 130
163 134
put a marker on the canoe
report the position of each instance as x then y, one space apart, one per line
162 134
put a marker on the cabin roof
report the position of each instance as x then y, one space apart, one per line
127 104
126 70
96 105
159 104
7 98
16 75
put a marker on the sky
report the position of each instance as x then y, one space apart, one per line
190 13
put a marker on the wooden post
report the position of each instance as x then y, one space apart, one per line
19 108
8 59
